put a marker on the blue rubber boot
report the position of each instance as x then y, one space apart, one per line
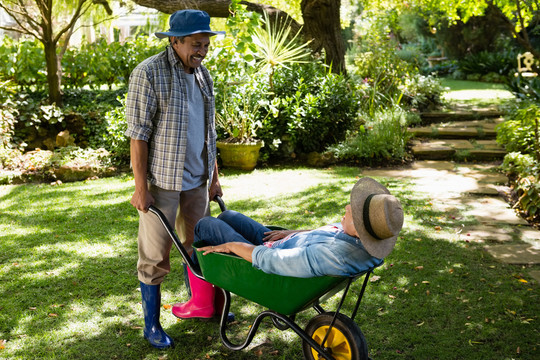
151 304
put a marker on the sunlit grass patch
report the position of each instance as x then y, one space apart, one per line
478 92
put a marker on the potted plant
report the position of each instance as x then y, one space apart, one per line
240 118
244 109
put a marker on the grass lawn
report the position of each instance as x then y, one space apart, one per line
475 91
69 288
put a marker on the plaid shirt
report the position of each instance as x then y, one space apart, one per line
157 112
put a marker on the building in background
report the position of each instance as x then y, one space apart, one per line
127 22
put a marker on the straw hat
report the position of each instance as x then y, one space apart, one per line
188 22
377 216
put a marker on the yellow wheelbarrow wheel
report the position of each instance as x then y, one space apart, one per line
345 341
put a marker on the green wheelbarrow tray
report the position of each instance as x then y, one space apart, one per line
283 294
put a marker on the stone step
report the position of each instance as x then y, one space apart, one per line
477 129
459 115
453 133
457 149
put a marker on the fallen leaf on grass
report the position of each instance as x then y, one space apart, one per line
523 280
167 306
419 267
53 315
2 344
475 342
438 228
374 278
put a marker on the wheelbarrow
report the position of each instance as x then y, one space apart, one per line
330 335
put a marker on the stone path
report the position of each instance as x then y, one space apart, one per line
471 189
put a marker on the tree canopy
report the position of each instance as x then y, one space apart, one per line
321 21
517 15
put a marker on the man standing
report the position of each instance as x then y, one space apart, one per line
170 112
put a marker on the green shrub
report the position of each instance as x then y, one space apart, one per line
422 92
315 108
411 53
520 132
525 169
516 163
8 120
446 68
34 117
74 156
381 72
382 137
90 64
485 62
388 75
520 136
102 63
116 142
23 62
524 88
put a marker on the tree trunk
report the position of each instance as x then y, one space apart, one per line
53 78
322 24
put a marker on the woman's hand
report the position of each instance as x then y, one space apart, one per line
223 248
241 249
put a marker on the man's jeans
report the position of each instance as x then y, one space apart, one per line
229 226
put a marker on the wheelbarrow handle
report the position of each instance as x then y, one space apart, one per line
220 202
176 241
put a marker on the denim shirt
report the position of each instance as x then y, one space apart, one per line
316 253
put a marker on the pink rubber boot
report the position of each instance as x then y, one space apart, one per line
201 304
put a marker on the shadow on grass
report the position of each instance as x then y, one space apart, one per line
69 285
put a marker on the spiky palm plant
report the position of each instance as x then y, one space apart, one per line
276 47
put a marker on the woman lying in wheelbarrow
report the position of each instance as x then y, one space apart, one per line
367 233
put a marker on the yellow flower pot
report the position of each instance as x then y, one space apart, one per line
238 155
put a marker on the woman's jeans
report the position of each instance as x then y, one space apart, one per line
229 226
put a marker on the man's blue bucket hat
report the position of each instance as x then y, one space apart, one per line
188 22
